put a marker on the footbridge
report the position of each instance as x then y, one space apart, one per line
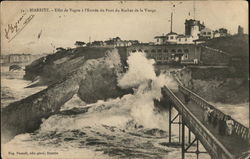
190 114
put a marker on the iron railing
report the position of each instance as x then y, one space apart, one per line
238 129
212 145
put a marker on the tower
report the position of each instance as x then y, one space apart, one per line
192 28
240 30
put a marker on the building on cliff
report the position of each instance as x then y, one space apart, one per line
195 32
182 54
19 58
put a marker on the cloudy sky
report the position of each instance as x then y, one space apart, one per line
47 30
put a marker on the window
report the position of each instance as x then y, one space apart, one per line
185 39
171 37
186 56
165 50
146 51
186 50
173 51
133 50
157 40
153 51
179 50
209 33
172 56
167 37
180 39
159 50
140 50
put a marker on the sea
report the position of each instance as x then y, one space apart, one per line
127 127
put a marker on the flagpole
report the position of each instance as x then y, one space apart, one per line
171 25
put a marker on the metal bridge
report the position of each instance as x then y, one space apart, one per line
190 116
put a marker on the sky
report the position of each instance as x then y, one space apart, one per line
48 30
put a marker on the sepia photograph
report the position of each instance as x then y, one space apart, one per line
125 79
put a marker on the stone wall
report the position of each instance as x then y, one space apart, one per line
166 53
212 57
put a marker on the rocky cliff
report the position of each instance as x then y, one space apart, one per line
237 47
55 67
216 84
92 78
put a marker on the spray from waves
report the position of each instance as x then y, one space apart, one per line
137 107
140 69
141 74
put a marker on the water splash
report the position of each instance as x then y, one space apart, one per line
140 69
141 74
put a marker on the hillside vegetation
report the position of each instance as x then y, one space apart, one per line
236 45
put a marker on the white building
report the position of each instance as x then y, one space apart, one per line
195 32
174 38
160 40
171 38
207 33
183 39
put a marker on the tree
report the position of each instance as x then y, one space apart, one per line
223 30
60 49
79 43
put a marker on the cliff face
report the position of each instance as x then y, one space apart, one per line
224 84
55 67
26 115
94 80
216 85
237 46
101 82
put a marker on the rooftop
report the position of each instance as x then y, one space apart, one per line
172 33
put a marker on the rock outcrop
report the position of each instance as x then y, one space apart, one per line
93 80
55 67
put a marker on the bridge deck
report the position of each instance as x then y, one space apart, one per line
234 144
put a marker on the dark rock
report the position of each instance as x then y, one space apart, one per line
96 78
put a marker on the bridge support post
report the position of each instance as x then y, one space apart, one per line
185 150
169 123
173 121
197 149
180 123
189 136
183 140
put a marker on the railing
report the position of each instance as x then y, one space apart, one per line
212 145
216 50
238 129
